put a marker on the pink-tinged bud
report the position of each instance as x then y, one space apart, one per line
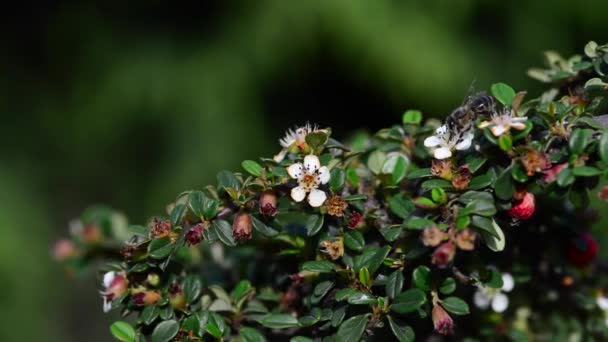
524 209
91 234
582 250
442 322
115 285
432 236
145 298
241 227
63 250
552 173
268 203
195 235
355 221
176 297
444 254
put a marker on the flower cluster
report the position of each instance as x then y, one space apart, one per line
394 234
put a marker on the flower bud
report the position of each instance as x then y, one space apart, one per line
442 322
145 298
176 297
195 235
355 220
63 250
442 168
153 279
582 250
268 203
115 285
462 178
432 236
444 254
552 173
524 209
241 227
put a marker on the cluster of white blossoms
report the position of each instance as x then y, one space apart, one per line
445 141
500 123
495 298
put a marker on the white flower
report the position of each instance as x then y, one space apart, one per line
444 141
501 122
309 176
486 297
293 138
115 285
602 303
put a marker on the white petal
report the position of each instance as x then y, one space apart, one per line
441 130
108 278
296 171
280 156
484 124
311 163
107 305
432 141
298 193
316 198
324 175
519 119
602 303
500 302
442 153
465 143
507 282
481 300
498 130
518 125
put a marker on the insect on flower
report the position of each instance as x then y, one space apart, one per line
294 141
309 176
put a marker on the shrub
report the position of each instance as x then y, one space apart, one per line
393 235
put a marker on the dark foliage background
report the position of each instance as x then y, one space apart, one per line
129 104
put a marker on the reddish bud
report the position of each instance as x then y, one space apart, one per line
552 173
582 250
462 178
268 203
524 209
442 322
355 220
241 227
444 254
195 235
145 298
63 250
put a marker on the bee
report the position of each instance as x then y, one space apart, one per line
462 118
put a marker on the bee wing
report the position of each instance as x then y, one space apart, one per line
517 100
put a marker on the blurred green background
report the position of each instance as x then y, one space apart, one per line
128 105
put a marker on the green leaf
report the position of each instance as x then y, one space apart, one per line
314 223
480 207
504 187
436 183
371 258
279 321
262 228
344 293
505 143
438 195
223 229
480 182
586 171
318 266
485 224
252 167
201 205
603 147
420 173
352 329
149 314
165 331
227 180
422 278
579 139
455 305
462 222
301 339
408 301
316 139
192 288
160 248
375 161
425 203
251 335
138 230
475 163
447 286
394 283
401 206
565 177
357 197
192 324
122 331
503 93
322 288
177 213
364 277
402 332
494 279
418 223
336 180
399 170
412 117
354 240
495 242
519 174
361 298
352 177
